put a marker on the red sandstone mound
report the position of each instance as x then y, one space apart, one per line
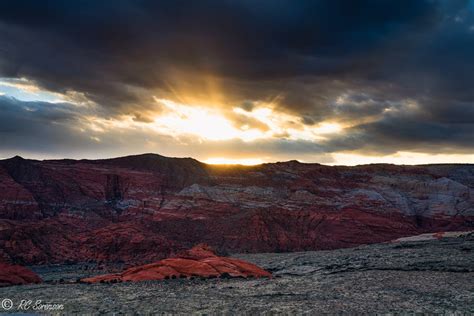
200 261
16 275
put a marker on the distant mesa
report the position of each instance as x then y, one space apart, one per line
200 261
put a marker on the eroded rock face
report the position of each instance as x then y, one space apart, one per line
16 275
145 208
200 261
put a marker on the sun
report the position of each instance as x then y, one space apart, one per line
200 121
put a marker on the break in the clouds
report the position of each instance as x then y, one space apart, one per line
326 81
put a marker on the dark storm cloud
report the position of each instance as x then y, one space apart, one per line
403 127
113 49
59 130
38 126
379 53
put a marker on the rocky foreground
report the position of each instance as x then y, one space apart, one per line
431 276
144 208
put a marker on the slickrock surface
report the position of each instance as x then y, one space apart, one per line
431 277
145 208
200 261
432 236
16 275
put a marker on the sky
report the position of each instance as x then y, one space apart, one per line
239 81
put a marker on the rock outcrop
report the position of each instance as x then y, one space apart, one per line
435 236
145 208
16 275
200 261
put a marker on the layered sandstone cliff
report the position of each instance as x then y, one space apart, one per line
144 208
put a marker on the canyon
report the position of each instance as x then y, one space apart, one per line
144 208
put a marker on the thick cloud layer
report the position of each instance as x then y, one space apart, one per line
397 74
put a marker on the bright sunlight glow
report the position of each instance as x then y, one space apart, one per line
228 161
199 121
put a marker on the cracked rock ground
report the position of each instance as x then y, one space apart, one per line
435 276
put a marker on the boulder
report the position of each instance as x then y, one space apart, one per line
200 261
16 275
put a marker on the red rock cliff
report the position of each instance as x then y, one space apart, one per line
147 207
